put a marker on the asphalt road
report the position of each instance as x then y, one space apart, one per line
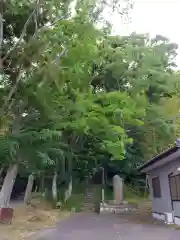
89 226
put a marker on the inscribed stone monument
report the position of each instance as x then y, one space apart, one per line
118 189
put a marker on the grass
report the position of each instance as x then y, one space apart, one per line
108 193
133 197
74 203
130 195
173 226
29 219
41 214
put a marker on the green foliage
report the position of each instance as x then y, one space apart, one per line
133 196
74 203
143 67
74 97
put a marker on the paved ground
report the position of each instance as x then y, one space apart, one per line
111 227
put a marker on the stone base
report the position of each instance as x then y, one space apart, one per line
158 216
116 203
118 208
177 221
6 215
167 218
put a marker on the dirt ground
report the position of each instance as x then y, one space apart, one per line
29 219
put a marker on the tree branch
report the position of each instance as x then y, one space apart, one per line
32 15
51 24
23 33
12 91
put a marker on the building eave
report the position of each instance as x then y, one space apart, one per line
161 158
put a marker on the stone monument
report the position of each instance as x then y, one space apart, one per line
118 189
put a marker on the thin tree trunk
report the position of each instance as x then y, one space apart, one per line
41 188
27 196
1 171
54 187
1 179
6 190
68 192
1 34
36 188
63 169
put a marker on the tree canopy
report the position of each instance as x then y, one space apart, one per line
73 97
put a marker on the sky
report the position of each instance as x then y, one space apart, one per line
153 17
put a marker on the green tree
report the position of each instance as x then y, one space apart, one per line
46 57
143 68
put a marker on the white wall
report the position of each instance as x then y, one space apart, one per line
163 204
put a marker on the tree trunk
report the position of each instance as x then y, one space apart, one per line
54 187
6 190
1 171
68 192
1 34
27 196
1 179
41 185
